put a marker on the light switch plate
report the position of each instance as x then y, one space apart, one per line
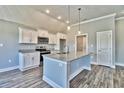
91 45
60 64
10 60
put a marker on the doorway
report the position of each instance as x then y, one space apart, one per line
62 44
81 43
104 48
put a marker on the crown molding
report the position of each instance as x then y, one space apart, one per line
119 18
95 19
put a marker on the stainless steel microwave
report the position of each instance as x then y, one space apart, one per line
43 40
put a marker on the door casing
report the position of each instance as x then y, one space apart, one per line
111 64
85 34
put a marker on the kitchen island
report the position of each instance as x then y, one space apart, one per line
60 68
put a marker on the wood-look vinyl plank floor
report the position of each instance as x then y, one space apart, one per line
98 77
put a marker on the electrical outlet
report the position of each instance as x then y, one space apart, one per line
1 45
91 57
60 64
10 60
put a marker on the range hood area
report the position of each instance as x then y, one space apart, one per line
43 40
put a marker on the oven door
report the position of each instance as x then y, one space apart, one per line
41 56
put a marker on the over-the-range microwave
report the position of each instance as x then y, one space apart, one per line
43 40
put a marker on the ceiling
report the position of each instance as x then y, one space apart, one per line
87 11
36 17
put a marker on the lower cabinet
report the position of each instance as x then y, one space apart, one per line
29 60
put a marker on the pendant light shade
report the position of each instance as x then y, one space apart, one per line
79 32
68 27
68 21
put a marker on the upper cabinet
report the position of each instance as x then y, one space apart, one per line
61 36
43 33
52 38
27 35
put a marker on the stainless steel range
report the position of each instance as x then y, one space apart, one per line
43 51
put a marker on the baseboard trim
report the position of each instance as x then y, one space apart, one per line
119 64
27 68
9 68
113 67
94 63
87 68
75 73
49 81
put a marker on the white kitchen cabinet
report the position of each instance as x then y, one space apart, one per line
36 58
59 36
29 60
27 35
64 36
34 37
52 38
55 39
43 33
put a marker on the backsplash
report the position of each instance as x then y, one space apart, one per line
31 46
26 46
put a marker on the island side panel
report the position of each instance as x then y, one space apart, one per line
79 64
55 72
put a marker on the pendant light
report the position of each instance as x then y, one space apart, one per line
79 32
68 21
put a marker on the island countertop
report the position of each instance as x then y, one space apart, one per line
60 69
67 57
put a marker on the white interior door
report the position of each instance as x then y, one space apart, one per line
104 48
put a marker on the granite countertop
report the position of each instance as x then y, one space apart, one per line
67 56
27 51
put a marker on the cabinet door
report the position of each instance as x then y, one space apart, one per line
54 39
37 58
27 60
25 36
34 37
42 33
45 33
32 57
64 36
61 35
50 39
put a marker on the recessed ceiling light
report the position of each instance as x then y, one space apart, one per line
59 17
67 22
47 11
